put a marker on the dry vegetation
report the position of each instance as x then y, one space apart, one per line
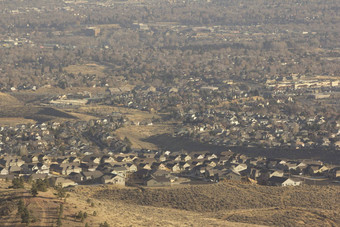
223 204
138 134
306 205
86 69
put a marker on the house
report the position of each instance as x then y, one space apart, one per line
158 181
64 169
42 168
44 159
143 165
92 175
158 165
119 170
91 159
73 160
174 167
334 173
36 176
159 173
107 159
231 175
11 161
8 177
54 181
210 163
88 166
185 157
32 158
14 169
283 181
64 160
184 166
315 169
200 155
211 156
76 177
3 171
239 167
113 179
130 167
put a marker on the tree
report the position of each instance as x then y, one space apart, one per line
105 224
25 216
61 193
18 183
21 206
59 223
61 210
34 190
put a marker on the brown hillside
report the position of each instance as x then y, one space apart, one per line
306 205
8 100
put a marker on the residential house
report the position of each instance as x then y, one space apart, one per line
239 167
158 181
91 159
231 175
334 173
92 175
3 171
88 166
113 179
76 177
107 159
54 181
14 169
43 158
283 181
174 167
74 160
315 169
119 170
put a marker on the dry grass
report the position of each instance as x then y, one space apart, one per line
119 213
86 69
138 134
15 121
224 204
290 206
8 100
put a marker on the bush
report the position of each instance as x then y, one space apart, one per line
105 224
18 183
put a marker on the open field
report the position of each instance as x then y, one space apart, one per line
8 100
86 69
222 204
253 204
138 134
7 121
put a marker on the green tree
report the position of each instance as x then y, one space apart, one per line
25 216
61 193
21 206
105 224
59 223
34 190
18 183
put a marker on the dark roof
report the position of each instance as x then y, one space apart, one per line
279 180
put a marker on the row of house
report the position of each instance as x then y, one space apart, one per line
155 168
